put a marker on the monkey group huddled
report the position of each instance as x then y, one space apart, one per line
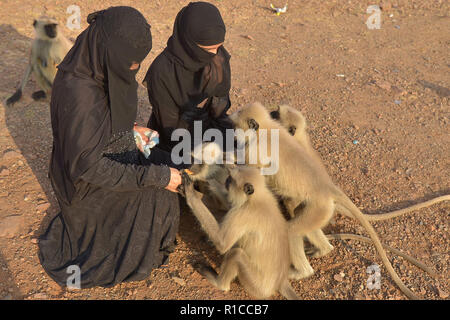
48 49
307 192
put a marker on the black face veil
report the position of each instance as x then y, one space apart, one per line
200 23
116 38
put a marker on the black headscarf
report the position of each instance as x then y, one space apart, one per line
94 94
116 38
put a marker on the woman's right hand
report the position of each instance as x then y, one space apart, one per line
175 180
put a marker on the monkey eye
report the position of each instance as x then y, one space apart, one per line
228 182
292 130
252 124
275 115
248 189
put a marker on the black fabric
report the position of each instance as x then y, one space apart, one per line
184 75
116 38
117 222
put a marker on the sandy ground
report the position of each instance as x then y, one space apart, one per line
377 102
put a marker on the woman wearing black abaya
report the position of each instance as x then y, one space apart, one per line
190 80
118 217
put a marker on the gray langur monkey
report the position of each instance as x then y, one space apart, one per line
300 179
48 49
210 172
295 123
253 235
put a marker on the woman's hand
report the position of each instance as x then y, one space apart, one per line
175 180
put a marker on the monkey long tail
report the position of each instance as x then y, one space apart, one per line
354 212
349 236
396 213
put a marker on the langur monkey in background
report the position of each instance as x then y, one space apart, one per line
48 49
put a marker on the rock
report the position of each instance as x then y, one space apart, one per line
43 207
249 37
4 171
442 293
40 296
383 85
11 155
338 277
10 226
180 281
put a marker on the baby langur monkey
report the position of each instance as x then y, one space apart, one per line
295 123
253 235
301 179
48 49
211 172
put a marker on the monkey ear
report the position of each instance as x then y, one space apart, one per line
252 124
292 130
248 189
34 23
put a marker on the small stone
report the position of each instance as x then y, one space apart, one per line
180 281
384 85
4 171
40 296
338 277
43 207
442 294
11 155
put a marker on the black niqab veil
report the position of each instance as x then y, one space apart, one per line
184 75
115 39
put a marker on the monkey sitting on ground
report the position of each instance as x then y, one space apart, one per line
295 123
253 236
48 49
301 179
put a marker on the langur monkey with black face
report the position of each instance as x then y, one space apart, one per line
295 123
211 171
253 235
300 179
48 49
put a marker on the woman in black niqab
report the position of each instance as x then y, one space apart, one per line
186 83
117 222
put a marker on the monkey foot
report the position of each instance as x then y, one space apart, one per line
321 252
301 274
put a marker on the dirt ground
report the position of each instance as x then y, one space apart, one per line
377 102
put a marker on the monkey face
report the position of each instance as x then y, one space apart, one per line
50 30
46 28
250 117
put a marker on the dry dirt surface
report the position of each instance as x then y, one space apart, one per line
377 102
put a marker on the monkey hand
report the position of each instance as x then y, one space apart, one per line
186 188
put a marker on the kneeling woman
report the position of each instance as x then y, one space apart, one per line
119 216
189 82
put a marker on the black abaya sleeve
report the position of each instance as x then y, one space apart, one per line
165 112
116 176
